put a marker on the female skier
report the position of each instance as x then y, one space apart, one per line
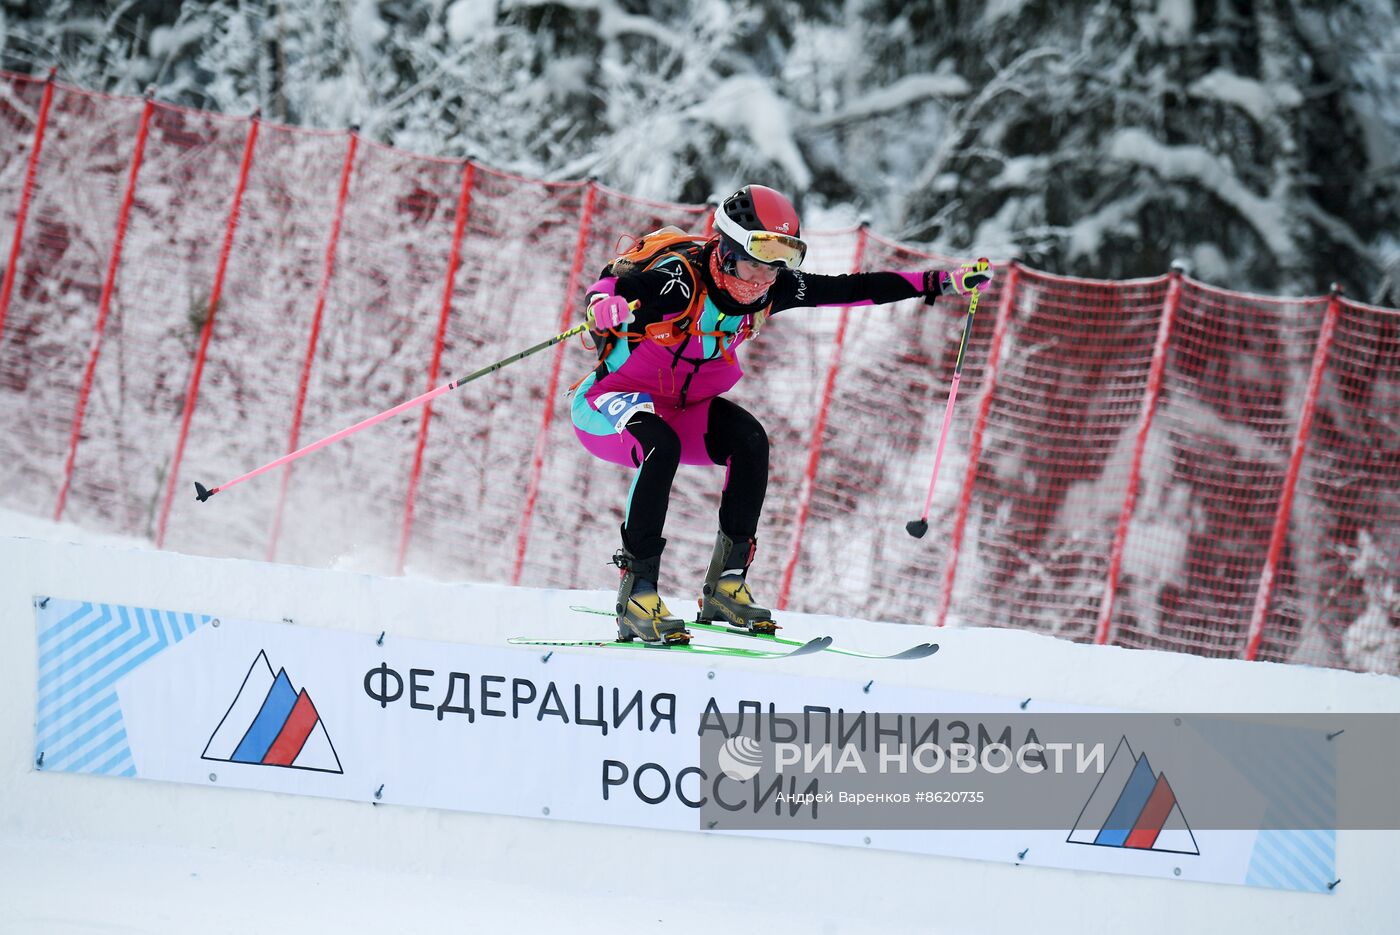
668 329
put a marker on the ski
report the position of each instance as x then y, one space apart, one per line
917 651
704 649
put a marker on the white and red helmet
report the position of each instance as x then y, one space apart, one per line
759 224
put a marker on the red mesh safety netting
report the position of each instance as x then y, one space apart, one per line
65 251
1056 453
1213 468
509 294
160 303
788 367
21 98
22 104
886 405
262 330
1336 600
1155 463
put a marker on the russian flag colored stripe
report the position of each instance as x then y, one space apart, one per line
281 697
294 733
1129 806
1154 815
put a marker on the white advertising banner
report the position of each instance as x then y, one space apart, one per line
605 737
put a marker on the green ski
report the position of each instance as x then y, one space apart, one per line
918 651
705 649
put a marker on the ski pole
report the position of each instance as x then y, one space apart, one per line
203 493
917 528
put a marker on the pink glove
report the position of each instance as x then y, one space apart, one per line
965 279
608 312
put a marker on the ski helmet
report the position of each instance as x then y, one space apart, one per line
759 224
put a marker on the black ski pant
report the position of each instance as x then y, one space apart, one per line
733 437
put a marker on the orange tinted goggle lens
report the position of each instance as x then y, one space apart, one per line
777 248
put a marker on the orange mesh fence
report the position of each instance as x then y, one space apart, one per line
1154 463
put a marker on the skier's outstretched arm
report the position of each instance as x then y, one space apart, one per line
797 289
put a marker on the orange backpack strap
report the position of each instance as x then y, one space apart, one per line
678 328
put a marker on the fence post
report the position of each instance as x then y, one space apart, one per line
974 451
454 260
104 304
814 450
192 393
327 271
532 488
1268 576
26 194
1103 629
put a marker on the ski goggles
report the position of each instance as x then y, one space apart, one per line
764 246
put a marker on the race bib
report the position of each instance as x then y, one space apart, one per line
617 408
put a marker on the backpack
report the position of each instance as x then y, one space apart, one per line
650 247
644 252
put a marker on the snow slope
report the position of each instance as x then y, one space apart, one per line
86 854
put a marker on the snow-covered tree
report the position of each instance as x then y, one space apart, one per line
1255 138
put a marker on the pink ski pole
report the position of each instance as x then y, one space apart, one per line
917 528
203 493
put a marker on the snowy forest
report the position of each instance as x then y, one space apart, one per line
1256 140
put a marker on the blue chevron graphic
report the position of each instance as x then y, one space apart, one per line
85 649
1294 860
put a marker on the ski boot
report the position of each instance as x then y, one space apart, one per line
726 594
641 613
